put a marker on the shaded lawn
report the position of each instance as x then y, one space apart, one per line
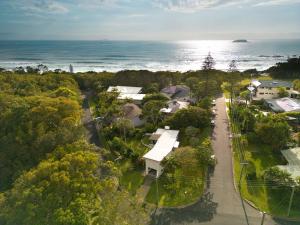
132 180
187 192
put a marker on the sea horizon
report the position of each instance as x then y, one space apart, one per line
154 55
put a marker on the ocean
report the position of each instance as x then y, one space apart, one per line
147 55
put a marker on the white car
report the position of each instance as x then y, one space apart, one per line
212 122
214 102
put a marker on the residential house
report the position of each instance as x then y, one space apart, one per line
293 158
174 106
127 92
179 92
268 89
166 141
283 104
133 112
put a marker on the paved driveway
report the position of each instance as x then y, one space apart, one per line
221 204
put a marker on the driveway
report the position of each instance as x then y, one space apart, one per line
88 122
221 204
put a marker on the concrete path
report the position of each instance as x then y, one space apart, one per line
221 204
144 189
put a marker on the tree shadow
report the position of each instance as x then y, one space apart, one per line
201 211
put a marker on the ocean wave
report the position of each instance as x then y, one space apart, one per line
89 62
26 58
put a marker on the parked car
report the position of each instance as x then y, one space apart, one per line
212 122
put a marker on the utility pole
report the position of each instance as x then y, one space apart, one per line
263 218
241 174
291 200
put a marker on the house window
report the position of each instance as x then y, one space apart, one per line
261 93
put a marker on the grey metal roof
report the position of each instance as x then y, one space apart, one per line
275 83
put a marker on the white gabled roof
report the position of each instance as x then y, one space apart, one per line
131 96
164 145
174 106
255 83
125 89
250 88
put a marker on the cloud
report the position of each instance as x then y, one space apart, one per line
32 7
40 6
192 5
277 2
94 4
196 5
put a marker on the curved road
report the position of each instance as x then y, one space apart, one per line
221 204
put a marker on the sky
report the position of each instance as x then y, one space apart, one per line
149 19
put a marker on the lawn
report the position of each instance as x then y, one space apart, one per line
273 200
132 176
187 189
186 193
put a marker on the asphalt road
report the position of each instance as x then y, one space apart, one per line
88 122
221 204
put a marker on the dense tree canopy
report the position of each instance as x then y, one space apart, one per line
289 69
193 116
66 189
273 130
36 84
32 126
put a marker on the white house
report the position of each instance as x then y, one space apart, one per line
127 92
166 141
293 158
284 104
268 89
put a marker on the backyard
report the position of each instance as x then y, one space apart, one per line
267 197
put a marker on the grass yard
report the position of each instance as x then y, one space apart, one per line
132 176
180 195
273 200
186 189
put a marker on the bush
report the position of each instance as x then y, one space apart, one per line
273 132
194 142
192 131
276 176
121 148
251 172
193 116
